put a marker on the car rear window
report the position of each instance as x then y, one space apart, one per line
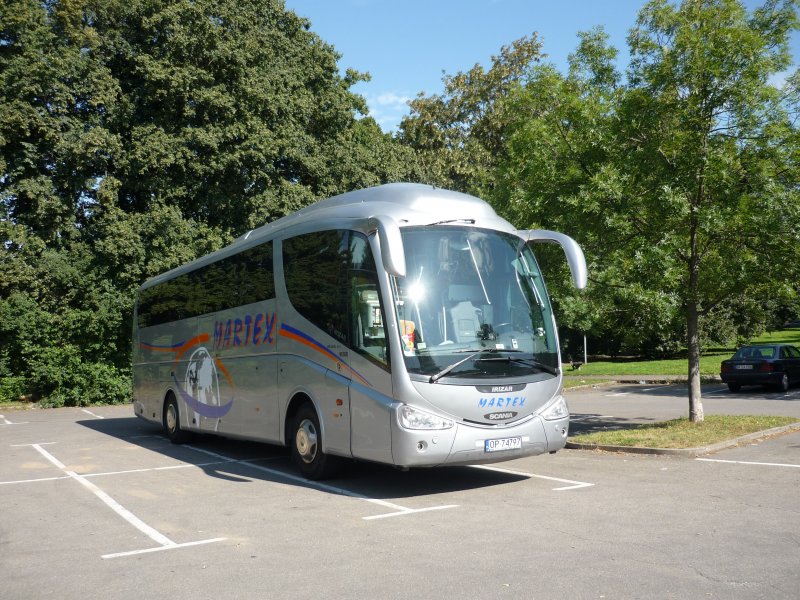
756 352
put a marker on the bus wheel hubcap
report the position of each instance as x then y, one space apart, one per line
306 441
171 420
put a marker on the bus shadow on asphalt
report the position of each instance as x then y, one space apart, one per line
239 461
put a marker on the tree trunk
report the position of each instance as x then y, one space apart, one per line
695 402
693 295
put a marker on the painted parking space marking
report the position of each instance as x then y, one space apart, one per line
748 462
588 417
618 394
5 421
714 392
88 412
397 510
164 543
574 485
18 481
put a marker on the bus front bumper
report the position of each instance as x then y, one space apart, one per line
467 444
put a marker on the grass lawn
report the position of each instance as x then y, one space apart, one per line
709 363
682 433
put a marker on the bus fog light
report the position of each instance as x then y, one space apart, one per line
421 446
412 418
556 410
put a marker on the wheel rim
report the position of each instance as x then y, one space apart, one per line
172 419
306 441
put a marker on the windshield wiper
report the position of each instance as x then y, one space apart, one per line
467 221
529 361
475 354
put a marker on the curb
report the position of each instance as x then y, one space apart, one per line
641 379
689 452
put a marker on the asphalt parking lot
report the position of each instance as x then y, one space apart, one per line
97 504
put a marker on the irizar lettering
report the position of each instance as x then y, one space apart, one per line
252 330
502 402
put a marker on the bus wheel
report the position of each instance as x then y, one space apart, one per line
172 422
307 446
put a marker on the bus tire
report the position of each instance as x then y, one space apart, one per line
306 443
172 421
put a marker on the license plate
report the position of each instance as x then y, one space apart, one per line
513 443
744 367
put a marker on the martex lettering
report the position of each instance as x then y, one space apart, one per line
251 330
502 402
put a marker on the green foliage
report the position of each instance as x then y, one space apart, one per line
12 388
459 134
682 433
136 136
61 378
680 183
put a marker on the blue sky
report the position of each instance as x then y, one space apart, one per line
406 45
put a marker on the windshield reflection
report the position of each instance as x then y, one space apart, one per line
467 290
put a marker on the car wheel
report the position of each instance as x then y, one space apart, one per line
171 420
783 385
734 387
307 452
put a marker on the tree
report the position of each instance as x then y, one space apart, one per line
716 188
460 134
560 170
683 181
138 135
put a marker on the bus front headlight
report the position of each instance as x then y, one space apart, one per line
412 418
556 410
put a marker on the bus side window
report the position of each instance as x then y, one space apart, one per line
315 269
366 310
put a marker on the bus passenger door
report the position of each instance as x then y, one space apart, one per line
370 382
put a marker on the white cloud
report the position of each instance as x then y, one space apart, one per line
387 108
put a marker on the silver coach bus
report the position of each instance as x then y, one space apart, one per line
401 324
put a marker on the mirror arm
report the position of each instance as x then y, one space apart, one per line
391 242
573 252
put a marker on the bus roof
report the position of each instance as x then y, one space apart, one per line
407 203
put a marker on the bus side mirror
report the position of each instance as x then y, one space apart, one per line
392 254
575 257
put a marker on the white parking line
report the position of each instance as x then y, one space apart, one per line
587 417
142 470
34 480
714 392
164 542
747 462
7 422
617 394
398 509
88 412
161 548
575 484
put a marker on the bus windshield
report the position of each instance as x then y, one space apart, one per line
473 305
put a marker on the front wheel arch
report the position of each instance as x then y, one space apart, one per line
306 442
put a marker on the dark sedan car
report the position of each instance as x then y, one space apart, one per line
777 365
